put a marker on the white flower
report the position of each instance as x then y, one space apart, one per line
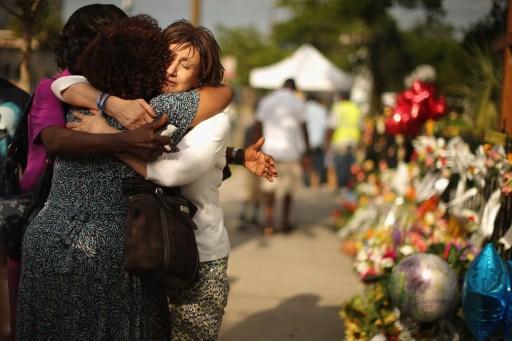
362 267
387 263
378 337
361 255
406 250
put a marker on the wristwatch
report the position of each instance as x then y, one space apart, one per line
235 156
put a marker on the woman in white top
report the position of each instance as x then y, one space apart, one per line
197 166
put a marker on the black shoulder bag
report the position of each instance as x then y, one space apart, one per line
17 211
159 242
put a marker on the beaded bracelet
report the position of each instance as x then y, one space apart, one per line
102 101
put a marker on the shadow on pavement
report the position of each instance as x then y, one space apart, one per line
297 318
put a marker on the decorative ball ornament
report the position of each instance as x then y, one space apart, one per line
423 287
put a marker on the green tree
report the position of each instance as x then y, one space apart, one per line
480 88
339 28
28 19
436 45
47 28
481 85
28 14
250 49
490 27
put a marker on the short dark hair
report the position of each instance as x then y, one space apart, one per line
128 59
312 97
290 84
202 40
344 94
80 29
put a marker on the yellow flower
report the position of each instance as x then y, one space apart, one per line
390 318
379 293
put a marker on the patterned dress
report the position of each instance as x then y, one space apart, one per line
72 284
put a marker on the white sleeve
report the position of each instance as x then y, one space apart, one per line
198 152
65 82
302 112
261 110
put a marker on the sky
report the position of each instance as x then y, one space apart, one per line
261 13
231 13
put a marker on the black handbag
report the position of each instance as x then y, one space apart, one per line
159 241
18 210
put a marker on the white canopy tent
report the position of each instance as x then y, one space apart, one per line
308 67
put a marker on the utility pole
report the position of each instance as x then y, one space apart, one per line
196 12
506 94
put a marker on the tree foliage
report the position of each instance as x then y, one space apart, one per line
436 45
250 49
480 87
27 14
487 30
47 27
340 29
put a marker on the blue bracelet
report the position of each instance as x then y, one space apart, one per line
102 101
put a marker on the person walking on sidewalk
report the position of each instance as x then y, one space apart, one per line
280 118
342 137
316 121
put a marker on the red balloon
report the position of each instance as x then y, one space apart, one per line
413 107
408 95
394 124
437 108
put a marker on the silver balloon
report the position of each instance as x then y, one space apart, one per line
424 287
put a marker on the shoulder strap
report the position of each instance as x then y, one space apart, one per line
19 141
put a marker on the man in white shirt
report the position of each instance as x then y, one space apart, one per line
316 121
280 118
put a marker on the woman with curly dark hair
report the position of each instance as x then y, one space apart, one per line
47 134
131 78
73 286
196 312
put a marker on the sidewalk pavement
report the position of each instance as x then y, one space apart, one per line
287 286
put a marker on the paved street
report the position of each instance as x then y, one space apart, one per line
286 287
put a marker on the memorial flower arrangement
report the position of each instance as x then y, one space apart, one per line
448 209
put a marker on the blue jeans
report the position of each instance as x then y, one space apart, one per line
318 164
342 163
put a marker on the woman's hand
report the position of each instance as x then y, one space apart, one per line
94 123
131 114
258 162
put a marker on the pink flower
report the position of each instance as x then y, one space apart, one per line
390 253
371 272
446 251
